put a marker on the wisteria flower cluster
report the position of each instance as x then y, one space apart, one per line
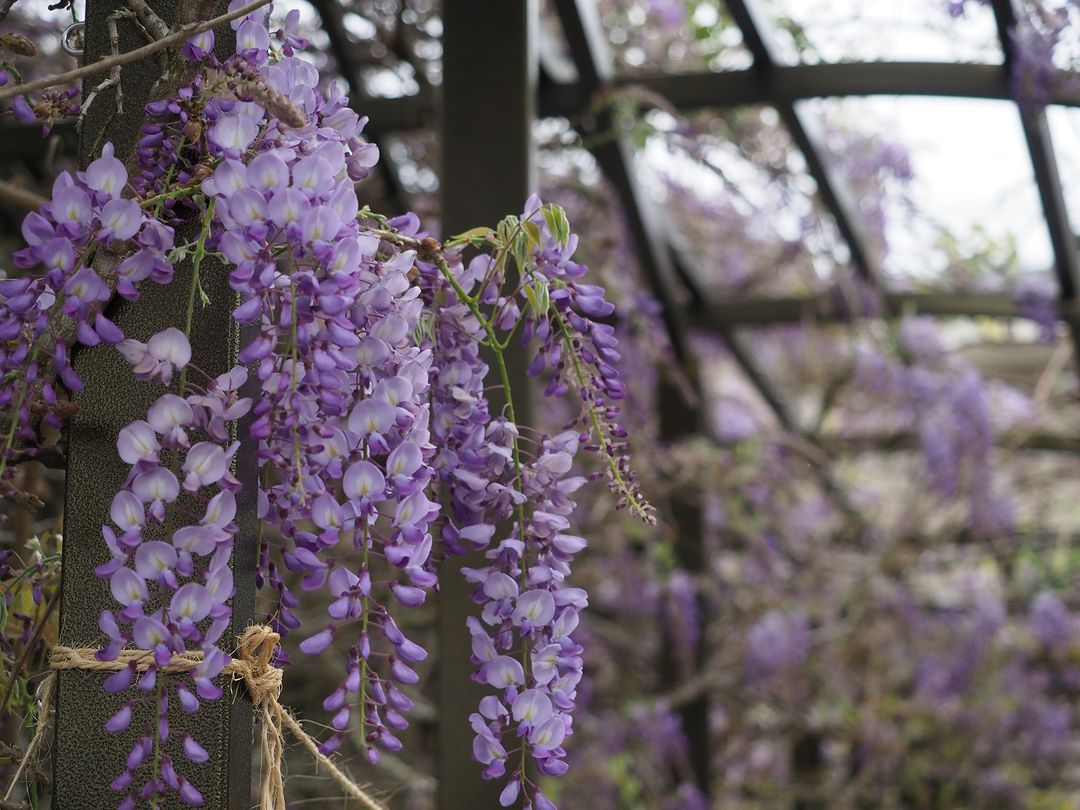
361 385
192 569
40 315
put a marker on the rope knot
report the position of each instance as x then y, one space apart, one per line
252 665
254 654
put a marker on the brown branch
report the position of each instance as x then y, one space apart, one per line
114 74
154 25
20 197
180 36
27 650
52 457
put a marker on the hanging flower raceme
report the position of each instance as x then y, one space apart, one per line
378 452
189 575
40 316
522 644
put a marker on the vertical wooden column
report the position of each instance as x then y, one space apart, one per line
489 80
86 756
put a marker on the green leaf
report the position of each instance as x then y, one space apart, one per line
519 249
472 236
425 328
180 252
537 294
543 299
557 223
532 230
507 228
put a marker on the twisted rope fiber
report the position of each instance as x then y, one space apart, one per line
251 664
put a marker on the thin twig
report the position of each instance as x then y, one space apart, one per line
114 76
1057 363
27 649
5 7
154 25
20 197
178 37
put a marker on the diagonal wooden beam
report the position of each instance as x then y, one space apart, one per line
1040 145
830 186
589 50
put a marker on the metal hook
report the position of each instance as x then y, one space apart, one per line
67 40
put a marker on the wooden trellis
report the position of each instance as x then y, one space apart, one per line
491 93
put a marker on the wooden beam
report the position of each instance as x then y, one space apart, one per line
679 418
896 442
488 172
824 309
1044 164
830 185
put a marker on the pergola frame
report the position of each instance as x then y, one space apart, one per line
768 81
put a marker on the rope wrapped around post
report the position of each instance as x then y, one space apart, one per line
251 664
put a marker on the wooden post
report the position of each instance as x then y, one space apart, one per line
489 71
86 756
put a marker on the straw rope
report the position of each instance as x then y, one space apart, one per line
251 664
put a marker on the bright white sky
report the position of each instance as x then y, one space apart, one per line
971 168
969 157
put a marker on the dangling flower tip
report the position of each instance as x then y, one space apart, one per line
639 508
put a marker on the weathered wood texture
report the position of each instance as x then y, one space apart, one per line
86 756
487 173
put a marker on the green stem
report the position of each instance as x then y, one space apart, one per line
363 632
158 689
294 338
159 200
176 194
504 377
196 285
27 571
35 351
636 507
